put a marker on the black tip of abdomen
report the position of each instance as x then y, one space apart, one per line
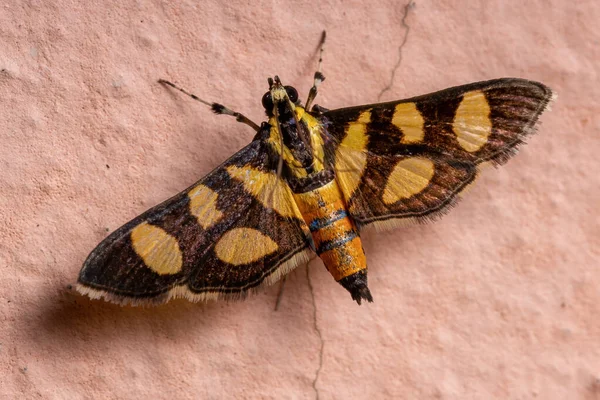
356 284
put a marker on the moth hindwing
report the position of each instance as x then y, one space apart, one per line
310 181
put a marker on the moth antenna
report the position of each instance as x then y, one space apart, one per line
318 77
215 107
321 48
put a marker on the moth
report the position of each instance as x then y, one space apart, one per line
309 182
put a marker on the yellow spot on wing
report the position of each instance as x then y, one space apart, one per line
351 156
244 245
203 205
270 190
410 121
409 177
356 137
472 124
159 250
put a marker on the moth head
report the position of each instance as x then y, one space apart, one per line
285 98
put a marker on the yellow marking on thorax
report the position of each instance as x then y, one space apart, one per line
244 245
316 139
316 142
203 205
277 143
351 156
409 177
472 124
410 121
270 190
159 250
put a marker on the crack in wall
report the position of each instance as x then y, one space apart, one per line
407 8
316 327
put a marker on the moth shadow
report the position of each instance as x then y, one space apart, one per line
72 320
73 324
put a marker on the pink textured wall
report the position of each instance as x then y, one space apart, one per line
500 299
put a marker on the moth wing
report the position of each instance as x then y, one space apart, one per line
234 230
421 152
394 189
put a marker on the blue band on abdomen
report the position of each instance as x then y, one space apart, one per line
337 242
320 223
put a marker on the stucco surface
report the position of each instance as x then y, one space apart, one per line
499 299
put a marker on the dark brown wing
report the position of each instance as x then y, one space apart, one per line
234 230
411 158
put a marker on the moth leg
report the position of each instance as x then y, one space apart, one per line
215 107
282 285
280 293
319 77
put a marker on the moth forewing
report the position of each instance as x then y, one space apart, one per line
213 240
420 153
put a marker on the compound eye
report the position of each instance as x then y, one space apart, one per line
267 101
292 93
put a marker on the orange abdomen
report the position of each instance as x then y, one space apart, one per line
336 236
